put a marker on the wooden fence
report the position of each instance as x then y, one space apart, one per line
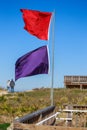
76 119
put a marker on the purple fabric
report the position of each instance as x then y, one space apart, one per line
32 63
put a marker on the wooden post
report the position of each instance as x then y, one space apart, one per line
81 86
69 115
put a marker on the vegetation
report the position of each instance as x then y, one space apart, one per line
18 104
4 126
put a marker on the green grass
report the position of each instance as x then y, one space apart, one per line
4 126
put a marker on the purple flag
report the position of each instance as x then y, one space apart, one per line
32 63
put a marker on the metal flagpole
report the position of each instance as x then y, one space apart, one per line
52 83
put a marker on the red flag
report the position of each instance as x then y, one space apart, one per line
37 23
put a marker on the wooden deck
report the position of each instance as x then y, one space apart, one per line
75 82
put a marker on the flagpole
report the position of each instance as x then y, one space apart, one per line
52 83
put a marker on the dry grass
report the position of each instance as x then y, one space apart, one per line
21 103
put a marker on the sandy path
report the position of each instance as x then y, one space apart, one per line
34 127
3 92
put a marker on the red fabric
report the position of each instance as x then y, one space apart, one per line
37 23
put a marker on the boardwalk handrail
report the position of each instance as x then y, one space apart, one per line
66 110
54 115
66 119
35 116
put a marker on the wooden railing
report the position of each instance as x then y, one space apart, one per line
68 117
75 79
73 116
37 116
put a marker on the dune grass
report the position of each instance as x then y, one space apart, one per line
21 103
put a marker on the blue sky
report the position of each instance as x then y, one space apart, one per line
70 54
